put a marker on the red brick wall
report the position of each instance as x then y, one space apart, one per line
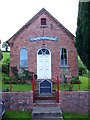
34 29
18 100
73 101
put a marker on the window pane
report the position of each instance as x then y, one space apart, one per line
23 54
62 56
65 56
23 63
65 62
61 61
40 52
47 52
64 50
43 50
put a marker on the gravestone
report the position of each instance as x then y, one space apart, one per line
45 87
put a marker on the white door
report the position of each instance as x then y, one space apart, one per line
44 64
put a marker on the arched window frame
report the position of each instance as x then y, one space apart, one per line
23 58
63 62
40 51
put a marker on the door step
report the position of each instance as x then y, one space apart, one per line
46 103
44 98
47 113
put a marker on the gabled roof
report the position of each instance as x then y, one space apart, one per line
43 10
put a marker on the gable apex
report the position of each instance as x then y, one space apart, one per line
43 10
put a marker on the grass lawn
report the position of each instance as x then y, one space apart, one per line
85 83
17 87
76 116
27 115
20 115
28 87
5 55
83 86
0 86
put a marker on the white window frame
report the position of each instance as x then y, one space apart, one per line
66 59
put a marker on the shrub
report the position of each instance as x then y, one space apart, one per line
24 76
6 61
15 72
21 76
75 80
5 68
7 79
81 67
6 90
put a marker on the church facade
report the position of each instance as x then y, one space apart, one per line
44 46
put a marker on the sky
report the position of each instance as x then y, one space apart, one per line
16 13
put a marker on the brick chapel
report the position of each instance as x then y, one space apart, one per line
44 46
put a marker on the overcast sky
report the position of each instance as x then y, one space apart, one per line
15 13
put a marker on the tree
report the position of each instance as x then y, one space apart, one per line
83 33
5 45
1 55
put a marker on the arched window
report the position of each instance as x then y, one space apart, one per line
23 58
63 57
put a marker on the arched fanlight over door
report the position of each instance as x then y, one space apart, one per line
43 52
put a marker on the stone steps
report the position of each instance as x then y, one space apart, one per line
47 112
44 97
45 106
54 118
36 93
46 103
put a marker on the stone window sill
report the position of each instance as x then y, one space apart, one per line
64 66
